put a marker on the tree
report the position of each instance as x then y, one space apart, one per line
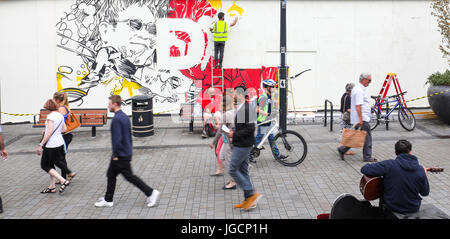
441 10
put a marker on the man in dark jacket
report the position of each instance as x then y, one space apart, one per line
122 150
243 136
404 179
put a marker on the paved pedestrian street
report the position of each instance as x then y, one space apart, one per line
179 164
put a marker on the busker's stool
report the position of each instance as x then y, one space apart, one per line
426 211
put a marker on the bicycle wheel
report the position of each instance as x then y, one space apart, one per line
406 119
291 146
374 118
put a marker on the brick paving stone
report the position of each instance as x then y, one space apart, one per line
178 164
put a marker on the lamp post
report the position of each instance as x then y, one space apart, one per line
283 68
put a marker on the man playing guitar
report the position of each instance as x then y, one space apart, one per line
404 179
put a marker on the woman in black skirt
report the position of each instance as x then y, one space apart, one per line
52 148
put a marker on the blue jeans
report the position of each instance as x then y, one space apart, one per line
259 137
239 169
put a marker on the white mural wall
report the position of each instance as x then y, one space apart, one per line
72 45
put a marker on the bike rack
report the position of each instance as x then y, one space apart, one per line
331 115
387 111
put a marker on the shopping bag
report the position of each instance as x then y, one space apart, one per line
353 138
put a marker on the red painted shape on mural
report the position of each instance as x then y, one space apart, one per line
191 9
175 51
250 78
184 37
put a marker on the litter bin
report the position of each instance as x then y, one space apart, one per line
142 114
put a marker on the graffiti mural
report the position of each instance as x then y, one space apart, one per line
161 48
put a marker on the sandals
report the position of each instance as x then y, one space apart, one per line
68 178
49 190
71 177
64 186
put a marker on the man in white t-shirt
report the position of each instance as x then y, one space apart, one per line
5 156
360 114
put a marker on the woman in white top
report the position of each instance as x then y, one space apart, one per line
62 101
52 147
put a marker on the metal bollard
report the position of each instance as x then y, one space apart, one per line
325 119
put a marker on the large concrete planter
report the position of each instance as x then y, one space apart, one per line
440 103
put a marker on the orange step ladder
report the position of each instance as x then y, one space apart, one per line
391 78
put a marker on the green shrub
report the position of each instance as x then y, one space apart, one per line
439 79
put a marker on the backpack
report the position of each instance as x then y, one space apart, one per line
210 129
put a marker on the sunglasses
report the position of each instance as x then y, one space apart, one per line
138 25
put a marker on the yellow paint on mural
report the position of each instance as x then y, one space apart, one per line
72 90
216 4
79 78
63 71
84 74
236 8
120 83
106 82
59 77
130 86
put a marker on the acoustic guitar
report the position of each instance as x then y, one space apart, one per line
372 187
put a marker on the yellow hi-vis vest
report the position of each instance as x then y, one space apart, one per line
220 31
265 107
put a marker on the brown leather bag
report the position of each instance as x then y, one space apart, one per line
72 122
353 138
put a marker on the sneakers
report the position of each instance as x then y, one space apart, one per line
102 203
251 202
153 199
372 160
282 157
241 205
